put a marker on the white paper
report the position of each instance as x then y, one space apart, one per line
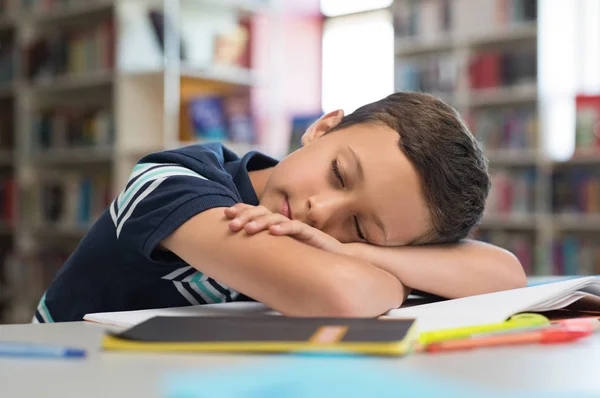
132 318
493 307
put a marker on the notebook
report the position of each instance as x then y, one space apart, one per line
468 311
267 334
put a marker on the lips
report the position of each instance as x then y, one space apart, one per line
286 210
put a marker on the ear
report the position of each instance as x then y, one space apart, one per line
321 126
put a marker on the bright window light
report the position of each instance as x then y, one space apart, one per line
358 60
333 8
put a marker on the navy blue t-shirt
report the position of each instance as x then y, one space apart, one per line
117 266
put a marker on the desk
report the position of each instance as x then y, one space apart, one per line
569 368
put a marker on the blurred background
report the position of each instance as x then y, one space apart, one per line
87 87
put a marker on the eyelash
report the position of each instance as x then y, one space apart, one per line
336 171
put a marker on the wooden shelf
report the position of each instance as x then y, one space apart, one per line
503 95
230 76
577 222
241 6
77 82
416 46
70 12
69 156
509 221
512 157
508 34
592 159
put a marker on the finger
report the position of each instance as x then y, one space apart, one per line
236 209
294 228
246 216
264 222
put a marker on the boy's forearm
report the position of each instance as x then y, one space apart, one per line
289 276
464 269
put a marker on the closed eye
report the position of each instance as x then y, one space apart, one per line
358 230
336 172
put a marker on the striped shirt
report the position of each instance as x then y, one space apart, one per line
117 266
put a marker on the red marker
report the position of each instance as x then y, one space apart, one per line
549 336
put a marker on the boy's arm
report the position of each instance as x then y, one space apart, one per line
288 276
464 269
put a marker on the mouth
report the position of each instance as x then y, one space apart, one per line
286 210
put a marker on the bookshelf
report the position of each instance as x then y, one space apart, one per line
481 58
547 212
81 120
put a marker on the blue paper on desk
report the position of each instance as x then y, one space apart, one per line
316 377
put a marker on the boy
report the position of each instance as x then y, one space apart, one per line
338 228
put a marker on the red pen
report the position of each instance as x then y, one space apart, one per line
549 336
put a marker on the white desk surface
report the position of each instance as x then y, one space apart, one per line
567 368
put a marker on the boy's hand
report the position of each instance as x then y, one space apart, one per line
253 219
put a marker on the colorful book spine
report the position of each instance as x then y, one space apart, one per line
491 69
587 124
505 128
432 74
71 199
576 191
73 128
218 118
576 255
77 51
512 192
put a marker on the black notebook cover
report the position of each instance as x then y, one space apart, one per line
267 334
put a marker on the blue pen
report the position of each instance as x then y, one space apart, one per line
39 351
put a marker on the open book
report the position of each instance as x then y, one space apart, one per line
468 311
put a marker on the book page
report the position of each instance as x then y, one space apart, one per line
495 307
131 318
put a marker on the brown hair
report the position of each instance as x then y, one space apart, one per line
453 170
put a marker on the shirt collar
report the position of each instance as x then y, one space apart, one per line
239 168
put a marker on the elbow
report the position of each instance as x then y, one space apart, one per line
353 296
515 274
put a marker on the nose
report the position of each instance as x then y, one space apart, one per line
324 210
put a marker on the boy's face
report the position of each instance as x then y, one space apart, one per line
354 184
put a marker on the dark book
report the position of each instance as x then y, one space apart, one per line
267 334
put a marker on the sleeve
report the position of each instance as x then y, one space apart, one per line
158 199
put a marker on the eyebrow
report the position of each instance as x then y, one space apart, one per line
361 176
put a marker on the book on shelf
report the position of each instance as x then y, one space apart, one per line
72 127
505 128
492 69
587 124
433 19
218 118
74 51
576 255
438 73
422 19
511 11
512 192
576 191
70 200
